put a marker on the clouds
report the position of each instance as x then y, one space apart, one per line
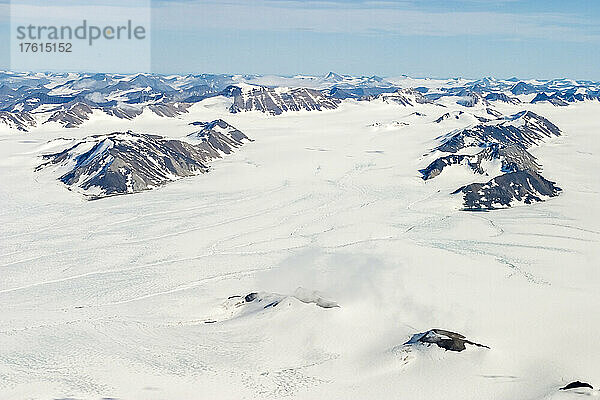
540 38
406 18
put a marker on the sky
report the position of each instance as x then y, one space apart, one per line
435 38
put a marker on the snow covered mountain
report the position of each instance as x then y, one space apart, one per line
521 186
20 121
513 158
71 99
219 135
498 148
122 163
277 101
525 128
404 97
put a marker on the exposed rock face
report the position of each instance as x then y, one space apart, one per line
72 102
21 121
72 116
277 101
219 135
405 97
483 91
493 112
552 99
525 128
465 116
522 88
513 158
577 385
437 166
124 111
455 115
502 97
504 190
358 93
122 163
516 175
64 99
333 77
169 109
447 340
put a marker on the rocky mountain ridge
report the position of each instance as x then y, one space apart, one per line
126 162
498 149
29 100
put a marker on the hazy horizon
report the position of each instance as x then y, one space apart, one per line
456 38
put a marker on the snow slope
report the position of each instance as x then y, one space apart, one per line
111 298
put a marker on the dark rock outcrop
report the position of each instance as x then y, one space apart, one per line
502 97
522 88
493 112
513 158
576 385
446 116
444 339
525 128
552 99
123 111
405 97
121 163
21 121
169 110
505 139
219 135
502 191
276 102
72 116
58 97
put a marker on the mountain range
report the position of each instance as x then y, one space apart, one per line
489 143
126 162
30 100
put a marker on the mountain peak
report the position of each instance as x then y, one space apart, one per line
333 77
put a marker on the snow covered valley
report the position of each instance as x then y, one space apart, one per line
325 217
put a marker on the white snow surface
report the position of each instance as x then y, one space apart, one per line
110 298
